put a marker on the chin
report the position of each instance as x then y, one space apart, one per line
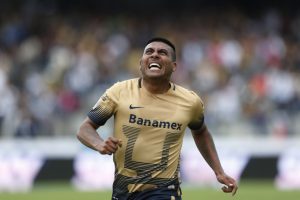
152 76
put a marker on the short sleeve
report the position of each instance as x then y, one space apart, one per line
198 114
106 106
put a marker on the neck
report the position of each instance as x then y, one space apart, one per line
156 86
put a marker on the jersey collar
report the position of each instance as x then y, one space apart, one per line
140 84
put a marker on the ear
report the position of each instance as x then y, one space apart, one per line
174 66
140 64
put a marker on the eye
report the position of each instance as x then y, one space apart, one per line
163 52
148 51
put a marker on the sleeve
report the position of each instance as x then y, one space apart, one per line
106 106
198 114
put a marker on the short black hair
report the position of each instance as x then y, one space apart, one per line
163 40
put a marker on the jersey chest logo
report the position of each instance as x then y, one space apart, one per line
134 107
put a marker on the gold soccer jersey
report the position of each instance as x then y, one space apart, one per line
151 127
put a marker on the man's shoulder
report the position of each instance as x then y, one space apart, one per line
186 92
190 96
129 81
126 83
121 87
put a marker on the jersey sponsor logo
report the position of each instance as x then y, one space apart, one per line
134 107
133 119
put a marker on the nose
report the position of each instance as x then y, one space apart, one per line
154 54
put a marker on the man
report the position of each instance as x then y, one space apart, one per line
150 117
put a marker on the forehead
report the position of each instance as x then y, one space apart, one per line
158 45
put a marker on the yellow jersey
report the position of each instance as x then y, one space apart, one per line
151 127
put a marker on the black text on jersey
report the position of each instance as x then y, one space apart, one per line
133 119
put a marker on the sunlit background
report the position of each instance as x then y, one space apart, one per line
57 57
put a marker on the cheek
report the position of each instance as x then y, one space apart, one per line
142 63
170 69
142 67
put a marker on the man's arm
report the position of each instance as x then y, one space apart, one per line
206 146
88 135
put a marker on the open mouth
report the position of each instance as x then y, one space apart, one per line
154 66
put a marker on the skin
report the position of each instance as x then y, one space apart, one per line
205 145
157 81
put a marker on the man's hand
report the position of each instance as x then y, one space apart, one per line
230 183
109 146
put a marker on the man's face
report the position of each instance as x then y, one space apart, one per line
157 61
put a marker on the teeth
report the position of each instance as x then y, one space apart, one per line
155 65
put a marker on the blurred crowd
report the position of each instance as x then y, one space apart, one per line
55 65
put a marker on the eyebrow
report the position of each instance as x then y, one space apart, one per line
161 49
169 53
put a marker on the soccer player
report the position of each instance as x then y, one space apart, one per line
151 114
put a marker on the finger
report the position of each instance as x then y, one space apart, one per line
108 152
110 146
105 152
231 188
120 143
226 189
113 139
235 188
111 143
116 141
